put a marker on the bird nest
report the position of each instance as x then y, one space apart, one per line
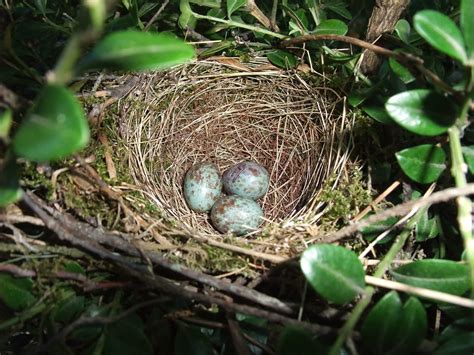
225 112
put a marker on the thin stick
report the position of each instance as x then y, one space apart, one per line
155 16
375 202
421 292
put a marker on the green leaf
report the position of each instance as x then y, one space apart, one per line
5 124
234 5
295 341
68 309
423 163
74 267
426 228
186 18
334 272
190 340
402 28
374 230
377 112
435 274
423 112
15 292
401 71
458 345
441 32
331 27
412 327
381 324
10 190
126 337
467 27
55 127
468 153
339 7
133 50
282 59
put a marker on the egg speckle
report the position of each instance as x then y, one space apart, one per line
202 187
236 214
246 179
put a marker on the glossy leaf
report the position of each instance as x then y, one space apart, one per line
338 7
423 163
441 32
333 271
467 27
234 5
282 59
401 71
458 345
381 324
412 328
10 190
297 341
69 308
331 27
133 50
190 340
426 228
5 123
402 28
126 336
377 112
423 112
15 292
55 127
436 274
468 153
374 230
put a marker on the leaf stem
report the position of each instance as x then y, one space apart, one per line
240 24
458 171
369 291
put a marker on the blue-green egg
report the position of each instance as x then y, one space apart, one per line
236 214
202 187
246 179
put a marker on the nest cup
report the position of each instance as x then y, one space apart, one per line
228 112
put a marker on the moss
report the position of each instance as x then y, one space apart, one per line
345 201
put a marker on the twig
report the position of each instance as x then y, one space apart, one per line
404 58
240 345
421 292
155 16
14 219
17 271
376 201
399 210
88 238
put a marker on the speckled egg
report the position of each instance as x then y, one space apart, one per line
202 187
236 214
246 179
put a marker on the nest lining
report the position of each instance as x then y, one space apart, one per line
212 112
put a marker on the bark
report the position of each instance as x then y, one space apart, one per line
384 17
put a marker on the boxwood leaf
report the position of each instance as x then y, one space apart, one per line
468 153
126 337
297 341
5 123
190 340
334 272
423 163
54 128
412 327
422 111
331 27
426 228
282 59
377 112
10 190
15 292
234 5
134 50
467 27
460 344
402 28
441 32
436 274
381 324
68 309
401 71
374 230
